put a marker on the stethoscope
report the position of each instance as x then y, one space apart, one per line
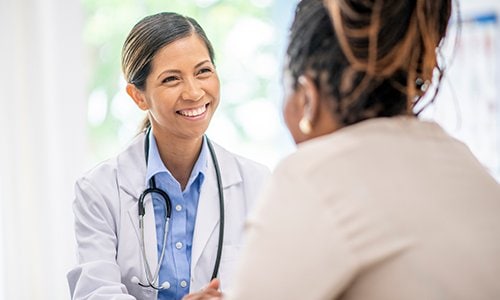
153 278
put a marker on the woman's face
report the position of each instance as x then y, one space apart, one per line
182 89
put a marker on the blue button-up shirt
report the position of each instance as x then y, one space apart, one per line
175 268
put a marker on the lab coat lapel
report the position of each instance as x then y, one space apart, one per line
207 216
131 181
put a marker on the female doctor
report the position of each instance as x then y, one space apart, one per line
165 216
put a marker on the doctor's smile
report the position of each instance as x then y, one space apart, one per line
194 113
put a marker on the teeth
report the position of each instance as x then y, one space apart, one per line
193 112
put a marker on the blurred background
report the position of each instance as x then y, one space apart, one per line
64 108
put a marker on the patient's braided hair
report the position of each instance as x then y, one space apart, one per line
369 57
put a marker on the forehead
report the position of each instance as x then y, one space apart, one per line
184 51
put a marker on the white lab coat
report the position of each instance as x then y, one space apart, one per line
106 224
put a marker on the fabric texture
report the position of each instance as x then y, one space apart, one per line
389 208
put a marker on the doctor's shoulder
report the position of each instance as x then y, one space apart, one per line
106 177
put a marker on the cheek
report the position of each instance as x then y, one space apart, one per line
288 112
214 90
292 116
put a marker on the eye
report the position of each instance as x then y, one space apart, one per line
205 71
169 79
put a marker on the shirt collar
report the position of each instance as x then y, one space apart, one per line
155 164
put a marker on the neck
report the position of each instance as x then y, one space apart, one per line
178 155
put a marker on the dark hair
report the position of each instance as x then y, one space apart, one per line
150 35
369 58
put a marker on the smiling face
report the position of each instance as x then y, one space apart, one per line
181 91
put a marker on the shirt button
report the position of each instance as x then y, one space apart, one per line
184 284
165 285
178 207
178 245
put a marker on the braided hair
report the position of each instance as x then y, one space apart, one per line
369 58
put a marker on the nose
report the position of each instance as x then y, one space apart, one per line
193 90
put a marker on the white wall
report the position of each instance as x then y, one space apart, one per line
473 6
42 125
468 105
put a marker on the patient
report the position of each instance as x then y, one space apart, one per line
375 203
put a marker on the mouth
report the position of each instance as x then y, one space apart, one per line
193 112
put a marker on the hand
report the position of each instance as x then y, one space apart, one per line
210 292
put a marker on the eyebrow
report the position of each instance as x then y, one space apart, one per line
178 72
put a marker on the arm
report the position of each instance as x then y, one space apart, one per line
97 276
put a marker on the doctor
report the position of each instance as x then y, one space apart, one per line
166 215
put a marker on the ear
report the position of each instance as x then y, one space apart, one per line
138 96
311 101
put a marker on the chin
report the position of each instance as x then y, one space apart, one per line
297 137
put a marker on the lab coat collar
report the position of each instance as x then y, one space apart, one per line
131 168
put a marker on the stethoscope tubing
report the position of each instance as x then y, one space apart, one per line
153 279
221 209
